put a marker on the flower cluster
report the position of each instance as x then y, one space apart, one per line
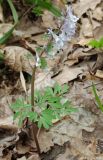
67 31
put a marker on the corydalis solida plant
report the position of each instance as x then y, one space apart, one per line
51 101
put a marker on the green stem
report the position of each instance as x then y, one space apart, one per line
34 126
32 88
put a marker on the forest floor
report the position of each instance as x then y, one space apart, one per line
78 136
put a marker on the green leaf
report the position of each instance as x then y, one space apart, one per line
48 115
49 6
20 121
49 91
6 36
38 11
50 106
14 12
57 105
93 43
44 123
64 89
99 103
1 56
57 89
43 62
96 44
17 105
49 47
39 49
1 1
16 115
33 116
40 122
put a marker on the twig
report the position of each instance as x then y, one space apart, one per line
91 85
27 11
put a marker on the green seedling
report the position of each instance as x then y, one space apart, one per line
49 105
98 101
96 44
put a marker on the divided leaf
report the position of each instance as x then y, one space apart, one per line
49 105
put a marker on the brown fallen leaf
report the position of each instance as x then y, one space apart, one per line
5 27
98 14
99 74
40 40
86 28
23 81
98 32
35 156
68 74
81 53
82 6
99 63
96 24
19 59
43 80
45 141
48 20
22 158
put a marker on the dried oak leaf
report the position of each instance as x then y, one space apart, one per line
82 6
19 59
68 74
98 14
99 74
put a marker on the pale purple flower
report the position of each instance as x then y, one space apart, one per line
69 26
67 31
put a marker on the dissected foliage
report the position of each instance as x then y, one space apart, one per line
49 105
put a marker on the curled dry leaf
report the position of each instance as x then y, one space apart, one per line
86 32
99 74
86 29
68 74
6 115
1 14
45 141
19 59
82 6
8 129
98 13
99 32
99 63
80 53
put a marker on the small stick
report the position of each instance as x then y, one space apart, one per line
91 85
